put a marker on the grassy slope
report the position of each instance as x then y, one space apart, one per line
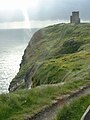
50 58
21 104
56 53
65 64
74 110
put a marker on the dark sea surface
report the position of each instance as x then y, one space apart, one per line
12 46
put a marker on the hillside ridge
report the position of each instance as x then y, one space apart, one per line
55 54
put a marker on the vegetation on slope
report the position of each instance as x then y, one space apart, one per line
69 68
74 110
58 56
22 104
58 53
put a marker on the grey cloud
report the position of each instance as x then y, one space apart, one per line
50 10
61 9
11 16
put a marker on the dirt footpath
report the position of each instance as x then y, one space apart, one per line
49 113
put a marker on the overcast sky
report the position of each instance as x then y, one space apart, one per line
37 13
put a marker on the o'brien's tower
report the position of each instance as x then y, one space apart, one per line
75 17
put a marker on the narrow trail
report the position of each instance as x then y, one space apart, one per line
49 113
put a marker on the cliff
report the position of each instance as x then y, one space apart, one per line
55 54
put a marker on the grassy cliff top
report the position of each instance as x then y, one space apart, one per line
58 53
57 59
22 104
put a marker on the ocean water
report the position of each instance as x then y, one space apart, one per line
12 45
10 58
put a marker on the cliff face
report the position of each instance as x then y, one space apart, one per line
55 54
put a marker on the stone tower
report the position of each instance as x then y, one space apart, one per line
75 17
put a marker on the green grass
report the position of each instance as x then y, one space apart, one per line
74 110
58 51
56 54
68 68
23 103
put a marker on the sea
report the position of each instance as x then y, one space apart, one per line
12 45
